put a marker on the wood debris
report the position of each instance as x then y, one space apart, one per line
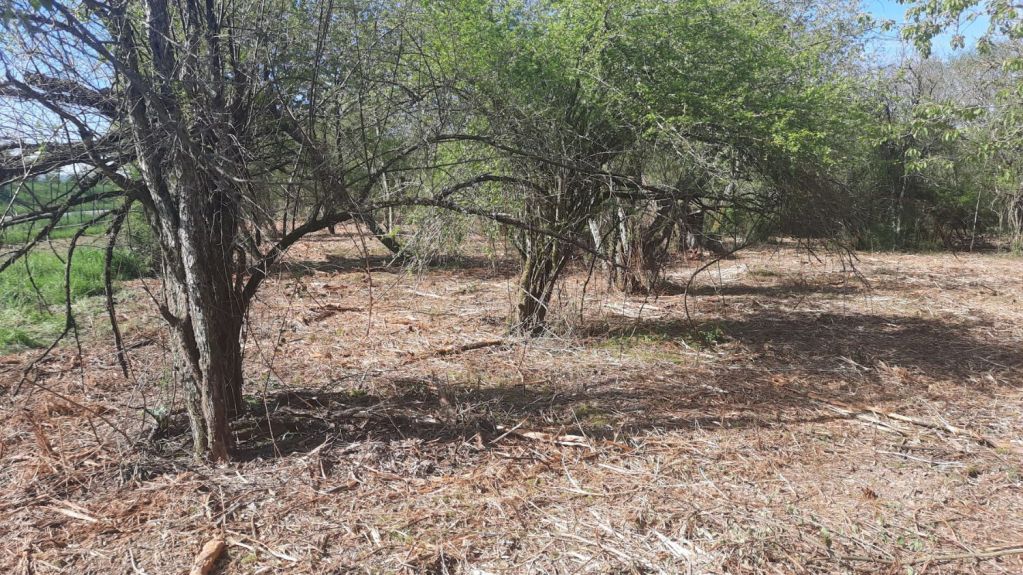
208 556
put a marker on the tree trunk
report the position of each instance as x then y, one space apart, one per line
621 239
1016 220
692 223
207 361
390 242
205 308
545 258
645 242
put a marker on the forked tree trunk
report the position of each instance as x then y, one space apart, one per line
194 125
645 240
545 258
205 308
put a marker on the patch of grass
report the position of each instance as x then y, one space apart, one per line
587 410
32 292
592 416
645 346
708 336
46 271
702 337
629 341
12 337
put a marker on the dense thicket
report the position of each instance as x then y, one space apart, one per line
624 132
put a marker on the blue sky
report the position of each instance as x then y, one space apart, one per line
891 46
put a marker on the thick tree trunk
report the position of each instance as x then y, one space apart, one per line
207 360
192 124
545 258
205 307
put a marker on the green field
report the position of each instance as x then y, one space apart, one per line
32 293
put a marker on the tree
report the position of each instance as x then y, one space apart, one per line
741 112
237 128
577 101
536 106
987 129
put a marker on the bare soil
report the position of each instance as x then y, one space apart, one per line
806 415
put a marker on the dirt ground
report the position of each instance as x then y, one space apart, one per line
809 416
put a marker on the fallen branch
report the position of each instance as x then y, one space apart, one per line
454 350
468 347
566 440
327 311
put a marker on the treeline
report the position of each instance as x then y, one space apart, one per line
620 132
940 168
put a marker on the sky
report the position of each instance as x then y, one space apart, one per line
891 46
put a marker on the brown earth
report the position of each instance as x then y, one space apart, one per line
395 428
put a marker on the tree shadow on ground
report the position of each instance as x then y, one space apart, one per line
774 290
774 361
462 266
809 341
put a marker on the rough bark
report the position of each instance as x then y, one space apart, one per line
544 259
207 360
201 132
204 304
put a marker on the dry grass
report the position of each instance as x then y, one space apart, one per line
752 440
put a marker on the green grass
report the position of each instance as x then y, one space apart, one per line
47 271
68 226
12 338
649 346
30 318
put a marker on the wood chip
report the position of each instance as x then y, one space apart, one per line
206 558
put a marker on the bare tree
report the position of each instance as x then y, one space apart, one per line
238 128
